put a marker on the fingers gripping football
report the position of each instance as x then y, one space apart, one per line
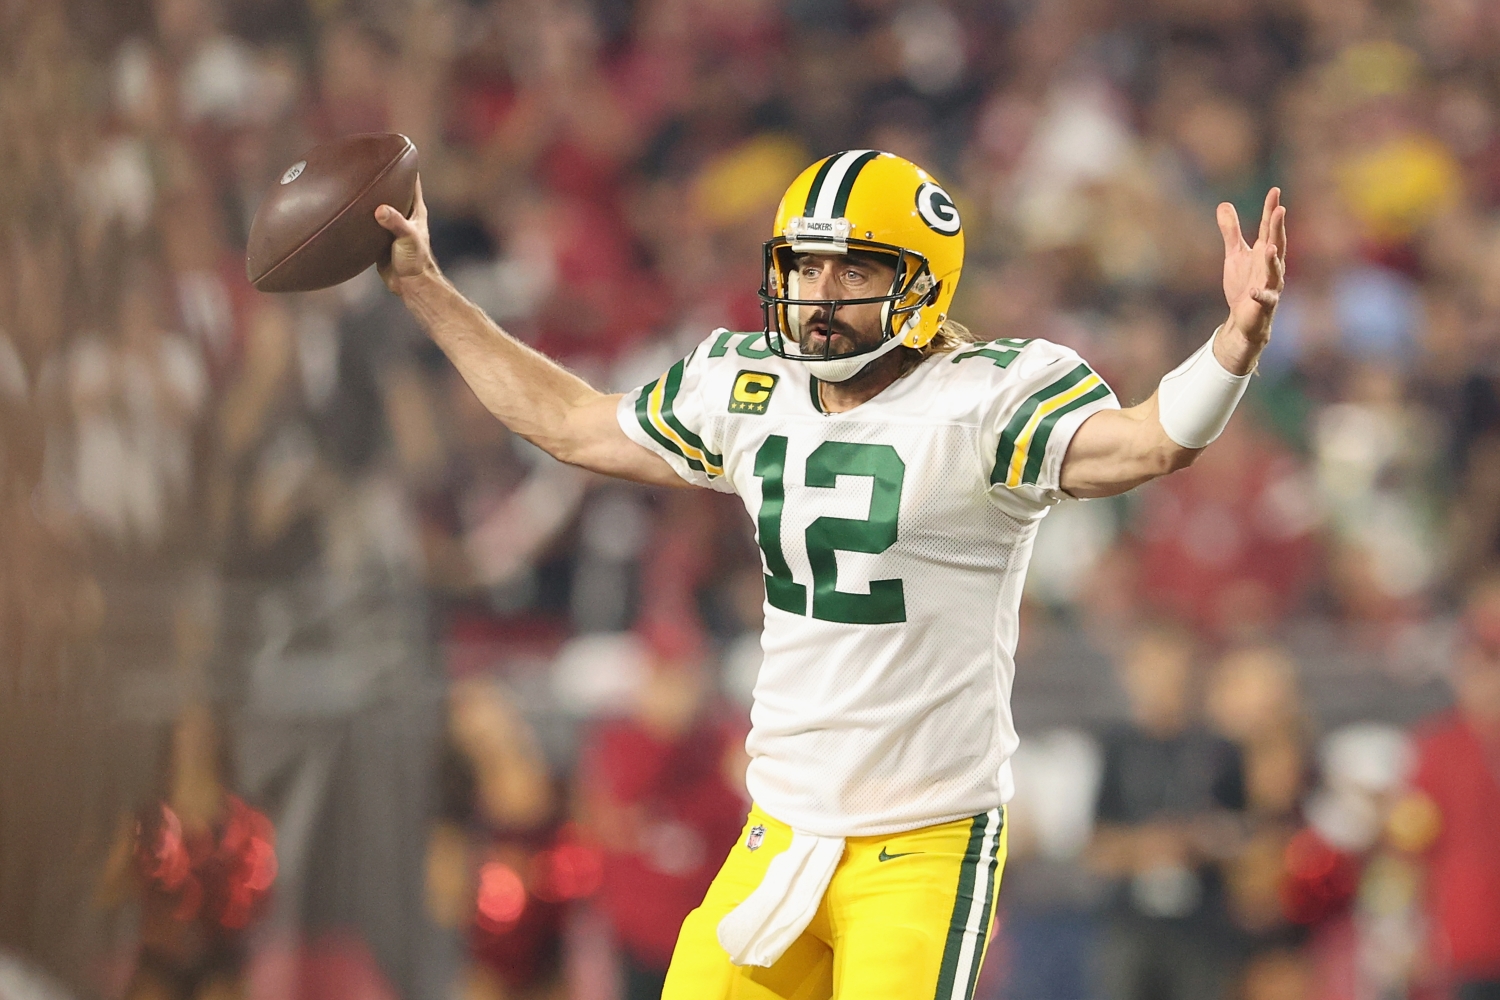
411 253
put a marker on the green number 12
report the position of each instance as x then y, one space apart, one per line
886 601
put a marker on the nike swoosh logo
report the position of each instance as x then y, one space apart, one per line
891 857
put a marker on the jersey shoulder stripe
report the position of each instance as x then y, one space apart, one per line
1023 443
654 412
713 462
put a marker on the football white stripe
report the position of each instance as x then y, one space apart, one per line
969 951
829 193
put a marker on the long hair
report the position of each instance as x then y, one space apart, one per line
950 336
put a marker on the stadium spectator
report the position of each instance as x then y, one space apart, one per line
1167 812
491 867
1230 548
1254 699
662 794
200 863
1458 773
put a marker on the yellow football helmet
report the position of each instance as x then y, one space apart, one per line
865 200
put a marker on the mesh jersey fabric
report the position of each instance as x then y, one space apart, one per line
895 538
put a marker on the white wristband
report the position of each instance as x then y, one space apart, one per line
1196 399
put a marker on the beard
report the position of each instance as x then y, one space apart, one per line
833 338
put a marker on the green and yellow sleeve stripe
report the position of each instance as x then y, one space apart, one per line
1023 443
653 408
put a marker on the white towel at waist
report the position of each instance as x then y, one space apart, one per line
764 926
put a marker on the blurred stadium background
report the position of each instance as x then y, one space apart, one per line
315 683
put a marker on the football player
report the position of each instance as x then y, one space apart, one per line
896 473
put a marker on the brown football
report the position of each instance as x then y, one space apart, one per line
317 226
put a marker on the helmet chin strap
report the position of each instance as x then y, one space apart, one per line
845 368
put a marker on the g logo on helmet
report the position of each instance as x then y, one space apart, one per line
937 209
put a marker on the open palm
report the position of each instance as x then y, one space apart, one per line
1254 275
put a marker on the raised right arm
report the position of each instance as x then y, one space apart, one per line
529 393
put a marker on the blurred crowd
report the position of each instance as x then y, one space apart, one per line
236 518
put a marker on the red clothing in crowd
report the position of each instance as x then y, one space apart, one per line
667 819
1462 777
1228 545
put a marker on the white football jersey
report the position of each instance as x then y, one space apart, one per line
895 538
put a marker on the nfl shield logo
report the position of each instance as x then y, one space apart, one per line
757 834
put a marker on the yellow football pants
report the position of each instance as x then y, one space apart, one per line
906 917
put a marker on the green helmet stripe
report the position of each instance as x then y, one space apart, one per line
817 184
841 200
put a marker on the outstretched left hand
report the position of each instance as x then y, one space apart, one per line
1254 276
